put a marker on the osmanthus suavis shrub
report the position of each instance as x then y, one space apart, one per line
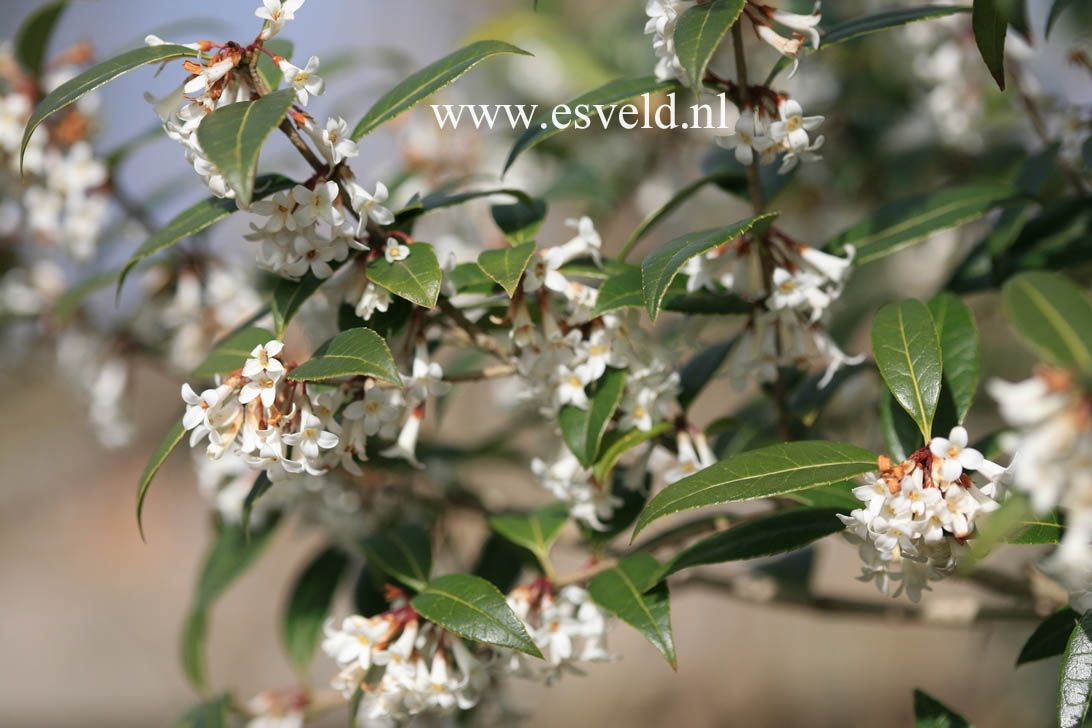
340 439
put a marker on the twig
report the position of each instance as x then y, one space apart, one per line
480 338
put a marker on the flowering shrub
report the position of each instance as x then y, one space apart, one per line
570 337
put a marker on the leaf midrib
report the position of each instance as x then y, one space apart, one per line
1070 337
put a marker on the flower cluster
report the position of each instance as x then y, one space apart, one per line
662 16
919 513
60 193
1051 417
759 135
557 360
408 666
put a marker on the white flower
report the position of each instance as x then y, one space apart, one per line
788 47
277 210
304 79
209 75
427 377
793 128
395 250
263 359
379 408
316 204
263 386
955 454
543 271
749 138
197 407
311 438
570 386
370 205
277 13
406 445
335 141
805 24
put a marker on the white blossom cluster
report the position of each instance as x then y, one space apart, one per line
288 428
791 330
919 513
1051 442
759 137
409 667
59 197
662 16
557 359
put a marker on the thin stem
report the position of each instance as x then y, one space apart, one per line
753 181
476 335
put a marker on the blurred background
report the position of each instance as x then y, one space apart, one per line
90 614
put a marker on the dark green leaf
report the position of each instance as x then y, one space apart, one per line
269 70
94 77
1075 684
288 296
931 713
32 38
419 206
606 95
308 604
1038 530
501 562
768 471
904 222
856 27
656 216
368 597
583 429
707 303
404 553
506 265
699 370
261 484
536 531
837 496
232 352
900 432
196 218
356 352
661 266
1054 316
232 136
763 536
520 221
1056 11
698 33
616 443
621 290
1050 637
191 648
473 608
958 349
990 24
627 592
907 351
428 81
416 279
170 441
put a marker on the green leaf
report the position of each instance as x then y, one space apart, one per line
626 592
438 201
1050 637
958 349
699 32
661 266
907 351
900 433
863 25
1038 530
210 714
1053 315
616 443
232 136
169 442
536 531
904 222
506 265
931 713
94 77
583 429
32 38
520 221
656 216
308 604
837 496
428 81
416 279
229 555
707 303
606 95
404 553
288 296
473 608
621 290
356 352
1075 684
232 352
763 536
1056 11
698 371
761 473
269 70
990 24
262 483
196 218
